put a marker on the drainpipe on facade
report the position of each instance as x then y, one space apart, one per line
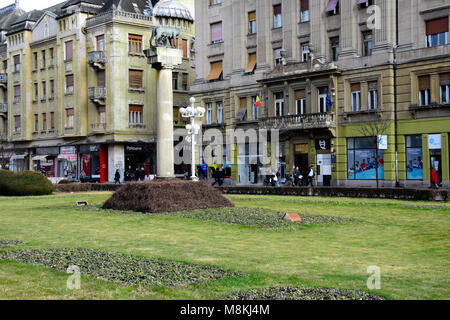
397 183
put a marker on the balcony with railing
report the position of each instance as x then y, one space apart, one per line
97 59
97 95
299 121
98 128
117 15
3 79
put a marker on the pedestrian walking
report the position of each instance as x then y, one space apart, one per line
221 177
277 178
434 179
311 176
142 174
137 174
296 174
117 177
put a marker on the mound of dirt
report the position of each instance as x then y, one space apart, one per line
166 196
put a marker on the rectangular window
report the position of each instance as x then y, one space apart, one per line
367 43
305 52
134 44
68 50
17 63
36 92
334 47
219 112
252 22
304 9
44 90
445 88
102 115
69 118
424 90
216 71
208 113
69 84
100 42
277 55
17 124
277 22
52 89
279 104
35 55
52 58
365 4
184 83
135 114
363 160
44 121
17 94
52 120
135 78
185 48
332 7
175 80
242 113
322 103
36 123
216 32
356 96
256 110
373 95
414 162
300 101
101 79
251 63
44 62
437 32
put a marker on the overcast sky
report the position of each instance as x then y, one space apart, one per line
29 5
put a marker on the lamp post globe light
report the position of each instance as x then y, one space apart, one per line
193 129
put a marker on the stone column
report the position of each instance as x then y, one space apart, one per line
164 124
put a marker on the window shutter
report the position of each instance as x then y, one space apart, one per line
300 94
216 70
277 9
437 26
424 83
17 121
355 87
135 108
69 80
216 32
17 59
185 48
101 43
304 5
252 16
69 112
243 103
69 50
101 109
445 79
331 5
17 91
135 78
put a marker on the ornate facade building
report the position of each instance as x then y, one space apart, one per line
78 97
347 98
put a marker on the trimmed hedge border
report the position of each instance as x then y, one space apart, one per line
383 193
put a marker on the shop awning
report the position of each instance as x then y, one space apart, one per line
251 63
39 158
216 71
332 5
18 157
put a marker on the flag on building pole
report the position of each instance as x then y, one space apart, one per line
258 102
329 102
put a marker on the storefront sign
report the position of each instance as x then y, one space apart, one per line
434 141
323 144
133 149
382 142
89 149
47 151
67 150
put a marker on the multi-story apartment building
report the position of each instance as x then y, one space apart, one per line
81 96
325 73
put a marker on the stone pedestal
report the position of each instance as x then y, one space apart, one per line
164 60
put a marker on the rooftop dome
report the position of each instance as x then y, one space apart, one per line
172 9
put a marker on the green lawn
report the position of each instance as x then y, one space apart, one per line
409 241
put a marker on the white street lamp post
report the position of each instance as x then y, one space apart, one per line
192 112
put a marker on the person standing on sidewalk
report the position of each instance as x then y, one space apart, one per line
117 177
311 176
434 179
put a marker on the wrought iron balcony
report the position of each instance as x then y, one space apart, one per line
3 79
137 126
3 108
299 121
98 127
97 94
97 59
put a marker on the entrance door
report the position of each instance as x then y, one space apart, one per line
436 162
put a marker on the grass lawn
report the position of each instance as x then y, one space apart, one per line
409 241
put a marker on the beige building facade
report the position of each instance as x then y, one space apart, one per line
324 73
81 95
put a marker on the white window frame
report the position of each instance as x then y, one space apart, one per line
447 94
278 106
219 112
356 100
429 39
304 16
255 109
426 96
278 20
305 53
375 99
300 106
209 113
322 103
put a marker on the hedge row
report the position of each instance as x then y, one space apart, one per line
26 183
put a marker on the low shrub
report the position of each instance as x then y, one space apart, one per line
64 181
160 196
72 187
125 269
7 242
26 183
290 293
